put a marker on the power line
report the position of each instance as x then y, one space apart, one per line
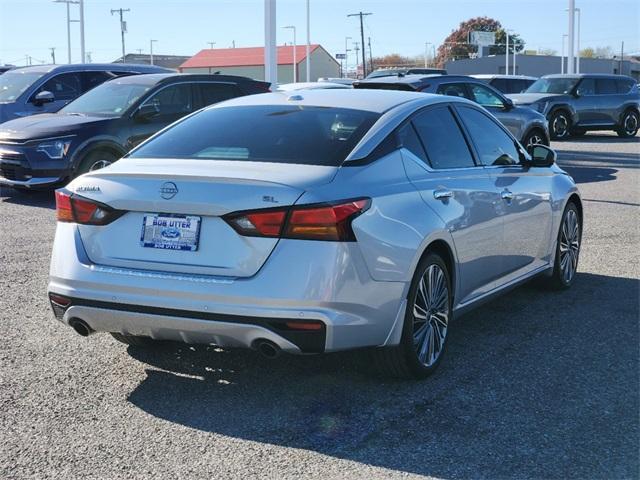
364 56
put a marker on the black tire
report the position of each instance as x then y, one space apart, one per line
578 132
535 136
402 361
559 280
134 340
629 126
95 160
559 125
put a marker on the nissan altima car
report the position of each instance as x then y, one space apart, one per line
313 222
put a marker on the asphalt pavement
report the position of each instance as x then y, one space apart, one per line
534 385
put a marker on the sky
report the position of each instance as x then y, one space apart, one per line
31 27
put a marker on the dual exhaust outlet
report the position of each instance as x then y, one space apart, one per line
266 348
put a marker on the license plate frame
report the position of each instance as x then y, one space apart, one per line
171 232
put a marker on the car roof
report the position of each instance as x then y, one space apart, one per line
87 67
288 87
491 75
153 78
377 101
416 79
586 75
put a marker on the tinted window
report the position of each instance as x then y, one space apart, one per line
494 146
409 139
485 97
552 85
587 87
13 84
264 133
109 99
624 86
214 93
500 84
442 139
172 100
606 86
65 86
452 89
93 79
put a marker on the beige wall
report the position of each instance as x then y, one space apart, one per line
322 65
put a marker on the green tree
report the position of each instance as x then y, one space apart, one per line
456 44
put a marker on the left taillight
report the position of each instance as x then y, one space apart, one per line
76 209
329 221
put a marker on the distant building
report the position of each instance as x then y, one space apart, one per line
249 62
539 65
166 61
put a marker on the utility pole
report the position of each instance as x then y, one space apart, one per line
506 54
123 28
295 57
370 54
69 21
89 57
346 56
356 48
364 59
570 44
151 51
270 55
53 54
620 70
82 50
578 46
211 44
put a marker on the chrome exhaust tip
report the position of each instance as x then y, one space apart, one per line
267 348
81 327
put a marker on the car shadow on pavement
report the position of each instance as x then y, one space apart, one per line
33 198
582 174
535 384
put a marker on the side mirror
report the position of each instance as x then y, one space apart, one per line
147 112
43 97
542 156
508 103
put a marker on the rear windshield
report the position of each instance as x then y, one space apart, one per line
265 133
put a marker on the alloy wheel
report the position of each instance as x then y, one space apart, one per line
630 124
569 245
560 126
534 139
99 164
430 315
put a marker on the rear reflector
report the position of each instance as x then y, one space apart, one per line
59 300
304 325
308 222
76 209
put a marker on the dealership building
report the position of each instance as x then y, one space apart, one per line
539 65
249 62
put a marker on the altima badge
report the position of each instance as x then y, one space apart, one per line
168 190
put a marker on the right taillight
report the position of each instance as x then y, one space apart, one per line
76 209
328 221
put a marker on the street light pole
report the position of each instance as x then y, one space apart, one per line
82 50
69 21
506 54
308 49
151 51
346 56
570 45
295 56
270 60
68 34
562 57
578 44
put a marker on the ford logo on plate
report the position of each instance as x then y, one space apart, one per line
170 232
168 190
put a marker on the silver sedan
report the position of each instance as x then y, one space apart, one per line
311 222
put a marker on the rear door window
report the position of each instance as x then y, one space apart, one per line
624 86
211 93
408 138
587 87
606 86
442 138
484 96
93 79
173 100
453 90
493 144
501 84
65 86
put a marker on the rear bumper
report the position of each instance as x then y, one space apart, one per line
301 281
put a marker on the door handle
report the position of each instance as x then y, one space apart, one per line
442 194
507 195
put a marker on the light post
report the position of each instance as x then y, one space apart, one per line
562 56
82 53
346 55
270 55
295 56
578 45
69 21
570 47
308 49
151 42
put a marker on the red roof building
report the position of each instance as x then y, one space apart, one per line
249 62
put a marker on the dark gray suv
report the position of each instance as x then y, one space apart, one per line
574 104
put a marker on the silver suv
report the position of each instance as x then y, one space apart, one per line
528 126
574 104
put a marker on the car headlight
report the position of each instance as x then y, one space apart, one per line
55 149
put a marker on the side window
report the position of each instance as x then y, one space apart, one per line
587 87
408 138
494 146
442 138
485 97
500 84
214 93
66 86
93 79
606 86
624 86
173 100
452 89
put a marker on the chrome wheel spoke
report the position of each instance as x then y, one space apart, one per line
569 245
